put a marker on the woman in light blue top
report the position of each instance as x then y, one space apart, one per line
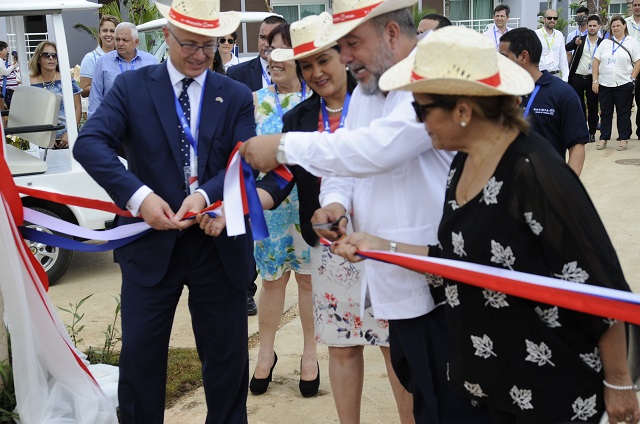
44 72
106 43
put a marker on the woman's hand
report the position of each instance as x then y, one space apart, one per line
349 245
595 86
211 226
621 406
63 143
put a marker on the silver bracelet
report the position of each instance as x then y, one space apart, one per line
393 246
633 387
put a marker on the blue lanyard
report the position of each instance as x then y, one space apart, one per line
279 106
264 75
325 114
131 66
183 119
589 47
530 102
614 49
495 37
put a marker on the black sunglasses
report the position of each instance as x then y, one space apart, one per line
225 40
552 18
422 109
49 55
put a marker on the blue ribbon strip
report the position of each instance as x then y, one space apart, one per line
258 223
71 244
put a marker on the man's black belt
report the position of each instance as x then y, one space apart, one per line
589 76
554 72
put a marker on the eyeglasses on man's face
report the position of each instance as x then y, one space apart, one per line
226 40
551 18
208 49
49 55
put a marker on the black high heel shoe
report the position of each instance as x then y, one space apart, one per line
259 386
309 388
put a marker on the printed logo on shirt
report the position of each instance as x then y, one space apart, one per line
544 111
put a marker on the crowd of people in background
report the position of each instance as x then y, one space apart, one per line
364 107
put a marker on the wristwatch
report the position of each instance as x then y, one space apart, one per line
281 157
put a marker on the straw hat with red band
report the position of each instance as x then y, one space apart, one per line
349 14
200 17
303 34
460 62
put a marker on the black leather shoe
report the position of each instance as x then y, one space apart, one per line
592 138
259 386
252 308
310 388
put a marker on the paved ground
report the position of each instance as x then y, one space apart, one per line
613 185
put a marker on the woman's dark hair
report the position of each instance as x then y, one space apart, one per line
503 110
283 30
351 80
217 65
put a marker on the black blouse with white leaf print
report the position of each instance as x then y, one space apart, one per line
527 358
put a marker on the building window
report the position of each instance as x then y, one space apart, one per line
469 10
617 7
295 12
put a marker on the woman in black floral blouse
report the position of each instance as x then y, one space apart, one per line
512 203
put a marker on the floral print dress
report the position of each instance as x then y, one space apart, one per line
527 358
285 249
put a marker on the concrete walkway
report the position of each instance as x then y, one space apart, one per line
613 181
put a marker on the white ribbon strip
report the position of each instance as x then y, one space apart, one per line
232 196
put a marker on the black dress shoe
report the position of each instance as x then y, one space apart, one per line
252 308
592 138
259 386
310 388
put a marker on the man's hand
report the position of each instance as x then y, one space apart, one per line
157 213
578 40
329 214
260 152
192 203
211 226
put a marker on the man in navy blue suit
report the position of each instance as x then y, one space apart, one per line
178 123
255 73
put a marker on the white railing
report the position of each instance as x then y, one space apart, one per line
481 25
31 39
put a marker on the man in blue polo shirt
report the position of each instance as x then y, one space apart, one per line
553 108
125 57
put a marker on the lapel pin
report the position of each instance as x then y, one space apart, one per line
219 99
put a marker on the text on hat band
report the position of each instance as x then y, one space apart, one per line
354 14
198 23
492 81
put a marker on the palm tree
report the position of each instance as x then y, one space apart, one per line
140 11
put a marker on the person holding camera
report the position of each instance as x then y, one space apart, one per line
574 36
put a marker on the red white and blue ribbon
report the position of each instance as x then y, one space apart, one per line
587 298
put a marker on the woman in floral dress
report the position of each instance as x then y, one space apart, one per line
285 250
512 203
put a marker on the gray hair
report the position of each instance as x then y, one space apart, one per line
131 27
402 17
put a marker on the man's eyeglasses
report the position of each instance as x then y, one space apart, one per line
421 110
268 50
208 49
48 55
551 18
226 40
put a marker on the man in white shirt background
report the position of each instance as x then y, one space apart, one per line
499 28
554 59
633 26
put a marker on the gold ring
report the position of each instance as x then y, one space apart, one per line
629 419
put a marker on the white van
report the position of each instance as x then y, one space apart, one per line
56 172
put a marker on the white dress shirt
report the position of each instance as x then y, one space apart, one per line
554 55
615 63
494 34
633 28
395 186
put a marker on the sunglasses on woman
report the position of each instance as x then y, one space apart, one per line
48 55
226 40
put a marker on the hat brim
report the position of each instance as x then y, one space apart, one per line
334 32
229 22
282 55
514 81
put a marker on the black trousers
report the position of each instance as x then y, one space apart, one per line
419 350
582 85
637 98
619 97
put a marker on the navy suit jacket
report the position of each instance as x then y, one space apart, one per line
138 114
249 73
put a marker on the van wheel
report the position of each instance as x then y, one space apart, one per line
54 260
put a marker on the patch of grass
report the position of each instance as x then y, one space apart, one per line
184 373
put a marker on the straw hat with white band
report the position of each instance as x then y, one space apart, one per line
200 17
303 34
457 61
349 14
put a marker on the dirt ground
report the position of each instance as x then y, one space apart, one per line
612 179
